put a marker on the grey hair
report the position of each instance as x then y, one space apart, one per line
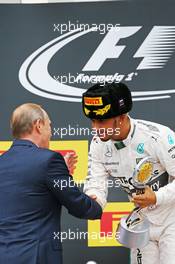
24 117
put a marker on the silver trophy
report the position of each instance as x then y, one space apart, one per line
133 231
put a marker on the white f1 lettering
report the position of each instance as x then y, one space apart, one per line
108 48
155 50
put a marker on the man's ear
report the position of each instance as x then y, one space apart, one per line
39 125
123 117
118 120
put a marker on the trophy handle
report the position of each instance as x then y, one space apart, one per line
131 220
134 217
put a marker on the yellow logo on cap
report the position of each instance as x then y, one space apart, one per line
102 111
93 101
86 111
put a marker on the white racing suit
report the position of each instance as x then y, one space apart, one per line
118 159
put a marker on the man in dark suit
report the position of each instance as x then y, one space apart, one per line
34 184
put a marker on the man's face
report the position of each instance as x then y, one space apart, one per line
107 128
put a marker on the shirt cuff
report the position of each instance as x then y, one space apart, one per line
101 201
159 198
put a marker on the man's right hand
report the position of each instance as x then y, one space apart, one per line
71 161
94 197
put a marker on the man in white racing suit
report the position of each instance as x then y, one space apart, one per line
117 153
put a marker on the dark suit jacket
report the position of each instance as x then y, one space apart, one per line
31 198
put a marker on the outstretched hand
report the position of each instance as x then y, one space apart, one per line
71 161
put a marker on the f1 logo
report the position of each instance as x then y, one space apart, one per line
156 49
